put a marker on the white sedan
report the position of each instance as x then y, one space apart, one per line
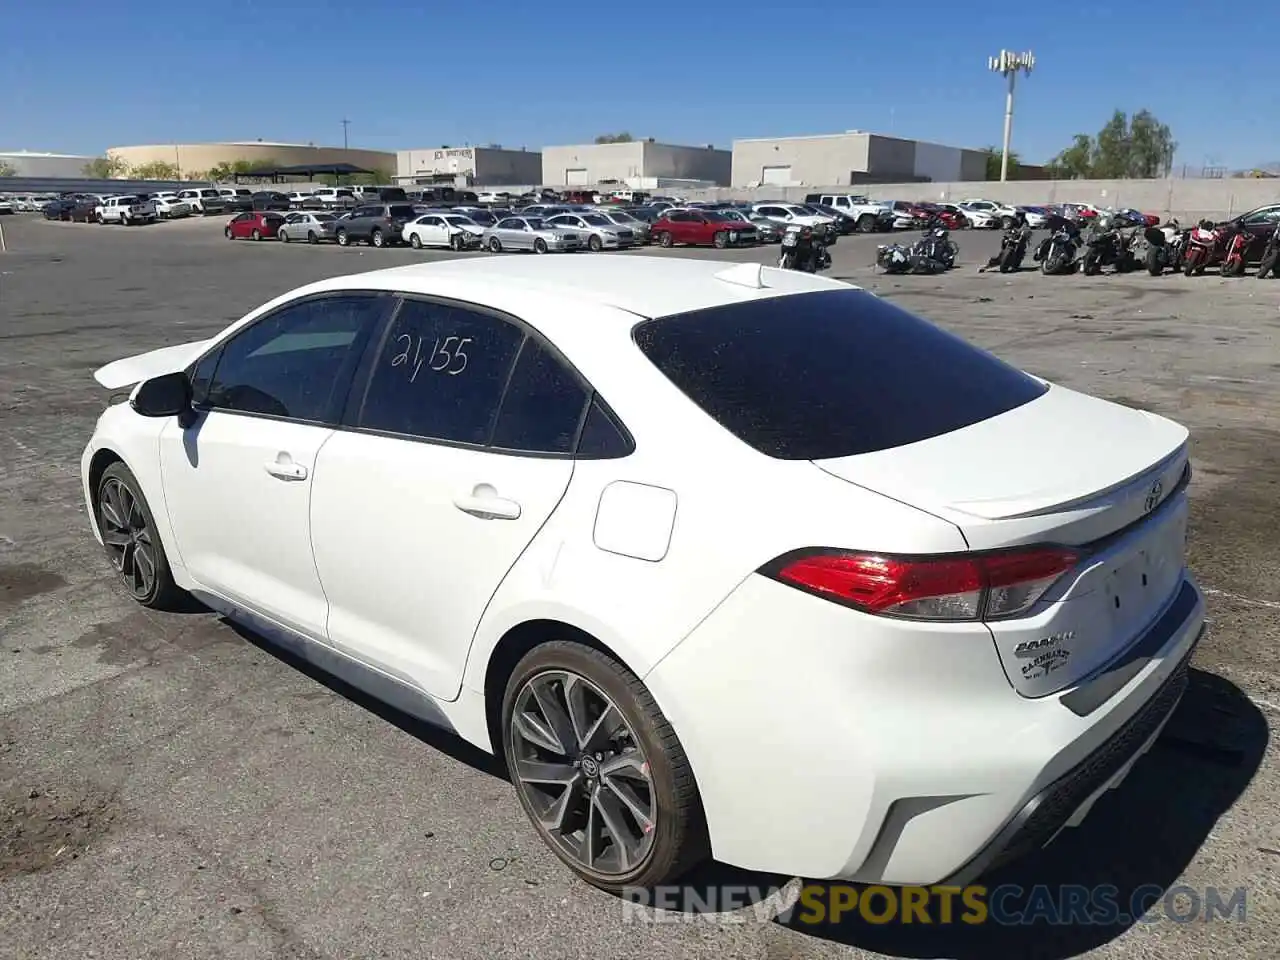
169 207
441 229
723 560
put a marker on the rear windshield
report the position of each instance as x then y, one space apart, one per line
405 212
831 374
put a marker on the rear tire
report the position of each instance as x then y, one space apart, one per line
342 238
255 234
415 241
376 239
1091 265
311 237
664 786
866 223
226 232
1268 265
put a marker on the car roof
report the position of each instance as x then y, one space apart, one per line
640 285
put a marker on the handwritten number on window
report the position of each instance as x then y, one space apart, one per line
447 356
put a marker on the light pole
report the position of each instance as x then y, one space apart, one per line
345 124
1008 64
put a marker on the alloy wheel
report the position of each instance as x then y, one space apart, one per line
581 771
129 539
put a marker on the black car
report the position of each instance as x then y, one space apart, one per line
270 200
73 209
378 224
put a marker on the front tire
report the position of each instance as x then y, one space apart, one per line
665 239
255 234
226 232
1268 264
342 238
866 223
284 236
132 543
495 245
721 239
539 245
594 243
1155 266
311 237
1091 265
599 770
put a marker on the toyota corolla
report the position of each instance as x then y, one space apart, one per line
722 560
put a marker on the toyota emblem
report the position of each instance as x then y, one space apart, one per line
1153 497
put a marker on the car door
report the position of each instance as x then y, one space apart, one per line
434 231
452 458
238 478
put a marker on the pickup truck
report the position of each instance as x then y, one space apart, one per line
869 215
126 210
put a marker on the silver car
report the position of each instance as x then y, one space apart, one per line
529 233
766 229
643 232
598 231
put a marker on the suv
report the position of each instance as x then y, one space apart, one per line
378 224
126 210
335 197
204 200
867 214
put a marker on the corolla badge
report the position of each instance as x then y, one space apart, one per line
1153 497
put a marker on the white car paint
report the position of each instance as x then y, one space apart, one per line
169 207
826 741
438 229
787 213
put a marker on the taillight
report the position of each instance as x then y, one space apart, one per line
988 586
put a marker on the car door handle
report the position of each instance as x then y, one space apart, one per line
484 502
283 468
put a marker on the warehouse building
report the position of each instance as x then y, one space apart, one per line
589 164
853 157
490 166
27 163
194 159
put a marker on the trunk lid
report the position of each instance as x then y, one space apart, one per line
1065 469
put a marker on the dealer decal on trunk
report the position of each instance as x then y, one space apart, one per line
1046 657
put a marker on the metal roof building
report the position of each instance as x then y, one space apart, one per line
29 163
853 157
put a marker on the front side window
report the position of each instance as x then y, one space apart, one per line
511 223
296 362
440 374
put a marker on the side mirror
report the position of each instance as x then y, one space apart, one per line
168 395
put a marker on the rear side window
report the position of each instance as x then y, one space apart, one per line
543 405
832 374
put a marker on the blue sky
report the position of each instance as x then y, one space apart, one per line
523 74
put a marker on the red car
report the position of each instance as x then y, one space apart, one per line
256 225
702 227
951 216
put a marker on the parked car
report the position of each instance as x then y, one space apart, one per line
443 229
530 233
544 210
869 215
233 194
1259 224
126 210
203 201
272 200
1036 217
703 228
485 217
789 213
598 231
1001 214
940 212
621 218
312 226
766 230
908 215
72 209
254 225
335 197
169 207
378 224
301 200
778 571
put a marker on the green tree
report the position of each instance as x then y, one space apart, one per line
7 169
1137 147
106 168
994 155
155 170
623 137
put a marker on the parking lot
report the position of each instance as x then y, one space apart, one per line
171 786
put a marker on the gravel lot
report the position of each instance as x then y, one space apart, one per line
171 787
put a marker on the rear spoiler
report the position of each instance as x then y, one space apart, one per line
144 366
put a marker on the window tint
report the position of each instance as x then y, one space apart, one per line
602 437
543 406
511 223
441 373
296 362
201 376
830 374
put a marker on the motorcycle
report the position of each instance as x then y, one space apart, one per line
1108 247
1013 248
1202 247
1165 246
936 244
1270 255
895 258
1057 252
1237 245
807 254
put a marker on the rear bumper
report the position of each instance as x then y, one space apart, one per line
898 753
